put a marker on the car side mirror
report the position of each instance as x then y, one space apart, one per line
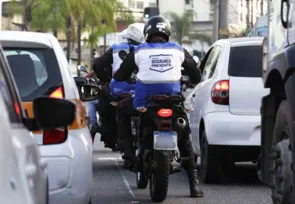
80 80
89 92
53 112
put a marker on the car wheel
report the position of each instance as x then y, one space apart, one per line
47 191
281 158
211 165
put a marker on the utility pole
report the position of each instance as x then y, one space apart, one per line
252 12
261 7
223 19
248 15
0 15
79 44
215 4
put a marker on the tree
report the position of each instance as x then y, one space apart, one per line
107 22
25 8
182 27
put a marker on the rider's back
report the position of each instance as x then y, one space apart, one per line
159 70
119 53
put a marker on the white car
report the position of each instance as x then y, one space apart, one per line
23 175
225 122
40 68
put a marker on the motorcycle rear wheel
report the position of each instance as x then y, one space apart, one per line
159 177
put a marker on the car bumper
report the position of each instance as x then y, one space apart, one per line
69 168
223 128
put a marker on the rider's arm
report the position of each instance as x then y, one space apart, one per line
127 67
102 62
191 68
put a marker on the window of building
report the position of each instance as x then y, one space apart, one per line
140 5
152 4
187 1
132 4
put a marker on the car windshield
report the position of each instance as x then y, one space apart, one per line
36 71
245 61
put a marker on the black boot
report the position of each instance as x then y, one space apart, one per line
192 174
128 156
94 129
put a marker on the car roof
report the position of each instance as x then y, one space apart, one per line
26 39
243 41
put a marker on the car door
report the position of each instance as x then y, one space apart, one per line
11 183
203 93
34 174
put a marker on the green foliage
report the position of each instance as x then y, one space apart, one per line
181 24
96 16
182 27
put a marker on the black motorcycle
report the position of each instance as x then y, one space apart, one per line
157 131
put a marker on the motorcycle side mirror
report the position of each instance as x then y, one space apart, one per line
89 92
196 58
82 68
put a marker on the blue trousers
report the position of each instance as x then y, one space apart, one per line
92 108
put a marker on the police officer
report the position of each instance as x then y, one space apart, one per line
113 59
159 63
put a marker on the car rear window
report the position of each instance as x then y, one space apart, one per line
245 61
36 71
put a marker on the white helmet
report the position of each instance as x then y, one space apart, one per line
135 32
122 36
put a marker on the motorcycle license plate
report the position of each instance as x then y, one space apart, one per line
165 140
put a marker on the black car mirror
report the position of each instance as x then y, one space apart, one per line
89 92
53 112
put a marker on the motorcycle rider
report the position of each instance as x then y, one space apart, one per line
159 63
92 109
112 59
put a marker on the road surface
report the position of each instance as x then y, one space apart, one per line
114 185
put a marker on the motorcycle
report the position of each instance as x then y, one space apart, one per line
134 120
158 129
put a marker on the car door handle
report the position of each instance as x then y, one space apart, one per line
30 170
43 164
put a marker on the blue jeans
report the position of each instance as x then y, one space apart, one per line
92 108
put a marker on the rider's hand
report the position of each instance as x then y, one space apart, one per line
90 74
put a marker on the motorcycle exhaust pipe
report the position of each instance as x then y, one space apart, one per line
180 122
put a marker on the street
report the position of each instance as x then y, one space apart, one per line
114 185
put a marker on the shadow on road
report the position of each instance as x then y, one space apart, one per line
241 174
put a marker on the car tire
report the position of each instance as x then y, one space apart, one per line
281 157
211 166
47 191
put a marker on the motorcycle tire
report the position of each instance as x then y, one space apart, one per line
159 178
141 176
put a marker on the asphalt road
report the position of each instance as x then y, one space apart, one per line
114 185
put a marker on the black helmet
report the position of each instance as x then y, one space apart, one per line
157 25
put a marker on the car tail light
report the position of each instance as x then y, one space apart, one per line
220 93
17 108
165 113
58 93
54 136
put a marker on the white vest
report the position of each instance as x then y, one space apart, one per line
117 61
159 62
